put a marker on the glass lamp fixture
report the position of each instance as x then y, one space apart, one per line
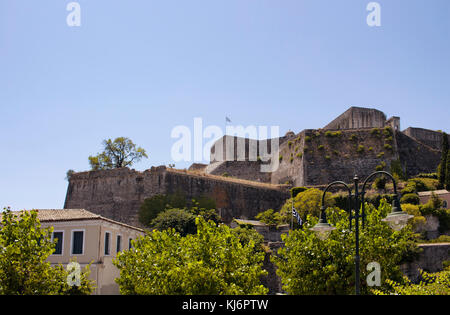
397 219
323 229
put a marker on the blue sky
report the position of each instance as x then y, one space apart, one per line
139 68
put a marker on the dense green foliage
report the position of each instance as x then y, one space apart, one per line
24 249
270 217
447 172
442 169
430 284
308 265
121 152
410 198
305 202
180 220
212 261
156 204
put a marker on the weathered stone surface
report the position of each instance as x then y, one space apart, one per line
358 117
118 193
428 137
429 260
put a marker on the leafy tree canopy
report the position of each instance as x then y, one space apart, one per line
24 249
212 261
308 265
121 152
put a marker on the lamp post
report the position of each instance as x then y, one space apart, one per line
397 219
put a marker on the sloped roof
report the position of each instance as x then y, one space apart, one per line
61 215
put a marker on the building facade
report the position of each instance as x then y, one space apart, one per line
88 238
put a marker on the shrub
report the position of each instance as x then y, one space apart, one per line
387 131
211 262
296 190
308 265
306 202
428 175
360 148
270 217
396 169
380 183
430 284
375 132
178 219
410 198
388 147
353 137
380 155
381 166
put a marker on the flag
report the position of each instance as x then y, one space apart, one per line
297 216
227 119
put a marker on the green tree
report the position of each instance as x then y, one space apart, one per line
69 174
306 202
442 169
212 261
249 234
431 284
180 220
270 217
24 249
447 172
121 152
156 204
151 207
308 265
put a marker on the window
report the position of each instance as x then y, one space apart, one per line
77 242
57 237
444 204
129 244
119 243
107 241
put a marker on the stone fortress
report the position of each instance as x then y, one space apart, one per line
356 142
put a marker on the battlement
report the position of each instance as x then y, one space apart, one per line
118 193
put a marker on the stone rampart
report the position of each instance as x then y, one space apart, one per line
117 194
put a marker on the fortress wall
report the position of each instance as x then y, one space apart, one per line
332 158
236 142
428 137
249 170
117 194
358 117
416 157
290 169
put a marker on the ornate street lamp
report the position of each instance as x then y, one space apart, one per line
397 219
